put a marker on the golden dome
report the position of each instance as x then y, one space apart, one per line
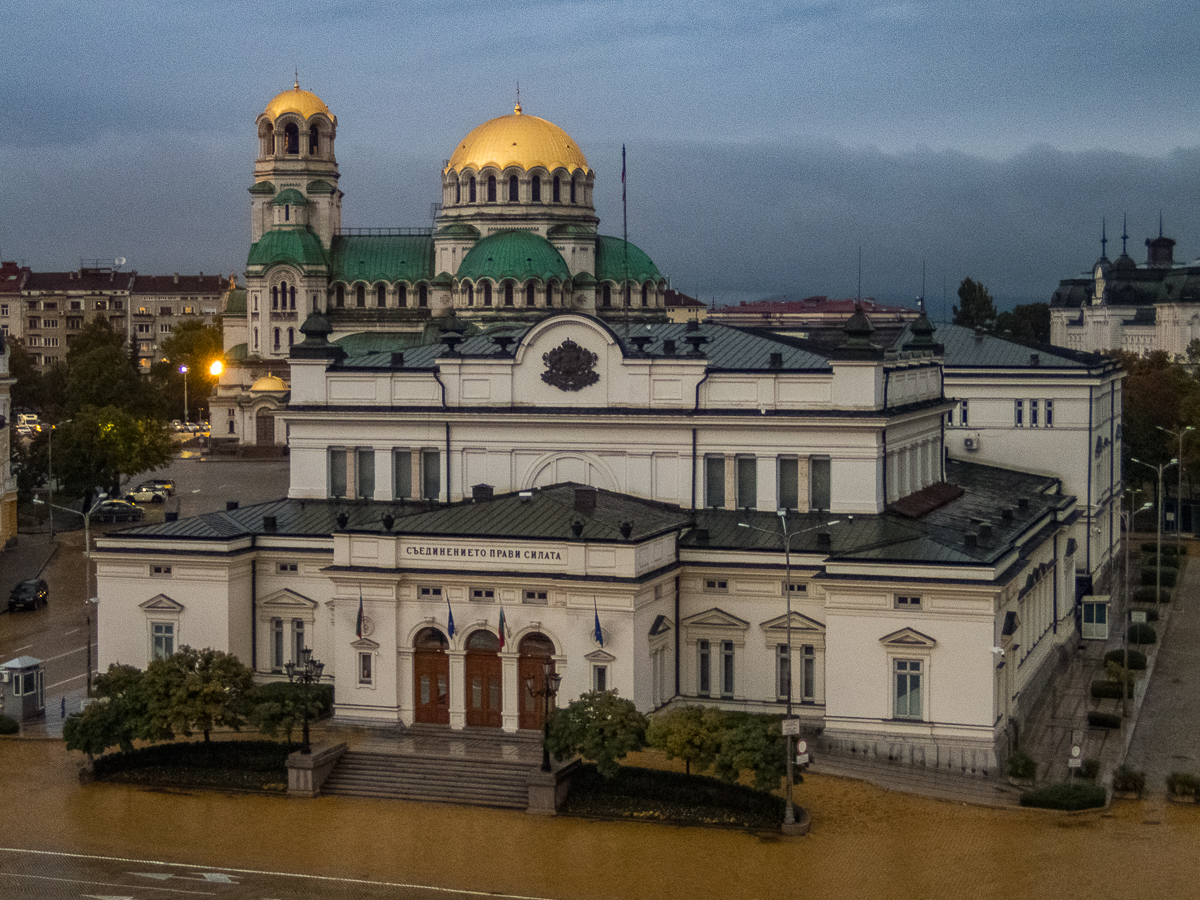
518 140
269 383
303 103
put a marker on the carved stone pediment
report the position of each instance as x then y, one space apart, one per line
907 637
161 603
287 599
570 367
800 623
716 618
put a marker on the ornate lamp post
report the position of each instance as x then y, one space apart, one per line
308 671
550 682
1179 488
1159 516
789 818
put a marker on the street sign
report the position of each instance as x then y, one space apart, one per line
1138 617
802 759
801 746
791 726
1074 763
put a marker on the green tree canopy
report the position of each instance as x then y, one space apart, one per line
100 446
690 733
1026 322
195 345
977 309
195 690
599 726
113 719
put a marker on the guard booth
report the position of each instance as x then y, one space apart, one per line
23 689
1095 617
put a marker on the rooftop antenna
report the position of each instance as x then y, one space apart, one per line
1103 240
921 299
1124 232
1160 223
518 94
945 302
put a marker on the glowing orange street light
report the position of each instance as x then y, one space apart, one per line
216 368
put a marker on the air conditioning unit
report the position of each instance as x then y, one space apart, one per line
971 443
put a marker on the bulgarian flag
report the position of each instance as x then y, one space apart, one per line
503 629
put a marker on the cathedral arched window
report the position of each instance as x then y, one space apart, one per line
458 192
645 295
487 293
402 295
276 345
556 190
514 189
292 297
470 294
423 296
549 295
341 296
535 188
471 190
291 138
291 337
381 296
530 292
508 293
360 296
491 189
572 190
314 141
287 212
283 292
607 296
255 338
274 298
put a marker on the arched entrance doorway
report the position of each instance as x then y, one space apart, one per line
431 677
536 651
483 680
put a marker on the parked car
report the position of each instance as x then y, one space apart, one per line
29 594
166 485
117 511
177 425
145 493
192 427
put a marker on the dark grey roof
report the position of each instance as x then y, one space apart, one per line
965 348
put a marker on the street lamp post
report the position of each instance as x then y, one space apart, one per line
1127 516
789 818
184 370
1179 486
550 682
307 672
1159 516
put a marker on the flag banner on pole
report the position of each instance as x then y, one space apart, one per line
599 634
503 629
359 624
450 613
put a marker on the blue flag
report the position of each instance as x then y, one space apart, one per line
599 634
450 612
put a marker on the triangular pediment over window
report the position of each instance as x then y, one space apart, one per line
799 623
907 637
286 600
600 656
364 644
716 618
161 603
661 626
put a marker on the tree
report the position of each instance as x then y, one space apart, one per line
99 446
98 373
690 733
195 690
599 726
195 345
977 310
113 719
754 743
280 707
1028 322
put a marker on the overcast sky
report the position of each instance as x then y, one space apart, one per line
767 142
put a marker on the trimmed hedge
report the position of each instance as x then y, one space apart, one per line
1098 719
9 725
1103 689
1146 595
229 765
1021 765
1168 548
1137 659
1090 769
1069 795
1150 576
1126 779
1141 633
1183 784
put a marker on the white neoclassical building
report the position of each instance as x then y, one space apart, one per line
613 498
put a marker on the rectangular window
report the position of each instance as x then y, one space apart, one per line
284 568
483 595
1033 414
747 482
1049 413
160 571
818 477
364 668
599 678
796 589
538 598
908 689
715 584
163 634
337 472
4 310
908 602
703 661
365 473
714 482
277 659
297 640
402 473
808 673
429 592
1019 413
431 474
962 414
164 328
783 671
726 668
789 483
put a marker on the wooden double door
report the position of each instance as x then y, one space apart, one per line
484 678
431 678
535 660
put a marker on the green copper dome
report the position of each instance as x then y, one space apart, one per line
612 260
519 255
288 245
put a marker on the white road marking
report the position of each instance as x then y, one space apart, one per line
101 883
26 647
67 681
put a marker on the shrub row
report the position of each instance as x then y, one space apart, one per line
9 725
1126 779
1141 633
1168 549
1150 576
1137 659
1183 784
1146 595
1099 719
1070 796
1103 689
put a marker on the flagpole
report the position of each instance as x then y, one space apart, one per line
627 297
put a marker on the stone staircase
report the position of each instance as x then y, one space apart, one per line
469 780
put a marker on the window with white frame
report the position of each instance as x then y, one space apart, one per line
819 478
808 674
1019 413
720 585
726 668
783 671
160 571
963 413
1033 414
1049 407
298 643
483 595
795 589
714 482
337 472
599 677
907 679
365 473
747 482
278 657
537 598
286 568
429 592
703 668
402 473
789 482
366 673
909 602
162 639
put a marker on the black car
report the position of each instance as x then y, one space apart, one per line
29 594
117 511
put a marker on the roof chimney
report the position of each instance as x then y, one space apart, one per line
177 278
585 500
481 492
